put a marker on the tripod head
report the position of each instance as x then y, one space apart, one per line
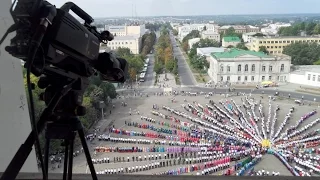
70 103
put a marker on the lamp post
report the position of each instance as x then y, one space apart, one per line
101 105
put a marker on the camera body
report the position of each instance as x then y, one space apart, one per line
66 44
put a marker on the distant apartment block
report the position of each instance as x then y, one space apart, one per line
230 41
184 30
131 42
210 35
272 29
247 37
275 45
127 30
239 28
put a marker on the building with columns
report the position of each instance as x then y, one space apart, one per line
240 66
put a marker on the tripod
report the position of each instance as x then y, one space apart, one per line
60 116
66 129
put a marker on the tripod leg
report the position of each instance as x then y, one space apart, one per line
65 163
87 153
46 156
70 159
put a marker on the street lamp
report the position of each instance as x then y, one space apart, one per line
102 105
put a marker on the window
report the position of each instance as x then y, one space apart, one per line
239 67
263 68
253 67
228 68
221 68
314 78
221 78
270 77
270 68
245 78
239 78
282 67
263 77
309 77
252 78
318 78
228 78
246 68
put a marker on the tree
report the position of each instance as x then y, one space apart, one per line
158 68
191 35
199 62
185 46
241 46
303 53
122 52
170 65
316 29
263 49
175 32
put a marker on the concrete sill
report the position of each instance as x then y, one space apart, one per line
38 176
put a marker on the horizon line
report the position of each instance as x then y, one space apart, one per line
212 15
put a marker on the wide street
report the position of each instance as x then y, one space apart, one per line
186 77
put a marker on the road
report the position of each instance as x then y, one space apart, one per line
293 95
149 75
186 77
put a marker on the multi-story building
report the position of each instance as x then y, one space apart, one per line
131 42
230 41
275 45
272 29
239 28
247 37
184 30
127 30
210 35
243 66
306 75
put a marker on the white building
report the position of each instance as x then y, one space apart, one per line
272 29
208 50
184 30
306 75
210 35
126 30
247 37
243 66
191 42
131 42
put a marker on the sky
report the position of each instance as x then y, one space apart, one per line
112 8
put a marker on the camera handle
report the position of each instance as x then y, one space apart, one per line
78 11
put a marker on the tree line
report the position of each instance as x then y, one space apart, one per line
310 28
303 53
148 40
164 59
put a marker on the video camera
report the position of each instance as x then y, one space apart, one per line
59 40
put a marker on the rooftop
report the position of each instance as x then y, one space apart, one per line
208 50
287 37
231 39
235 53
210 32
